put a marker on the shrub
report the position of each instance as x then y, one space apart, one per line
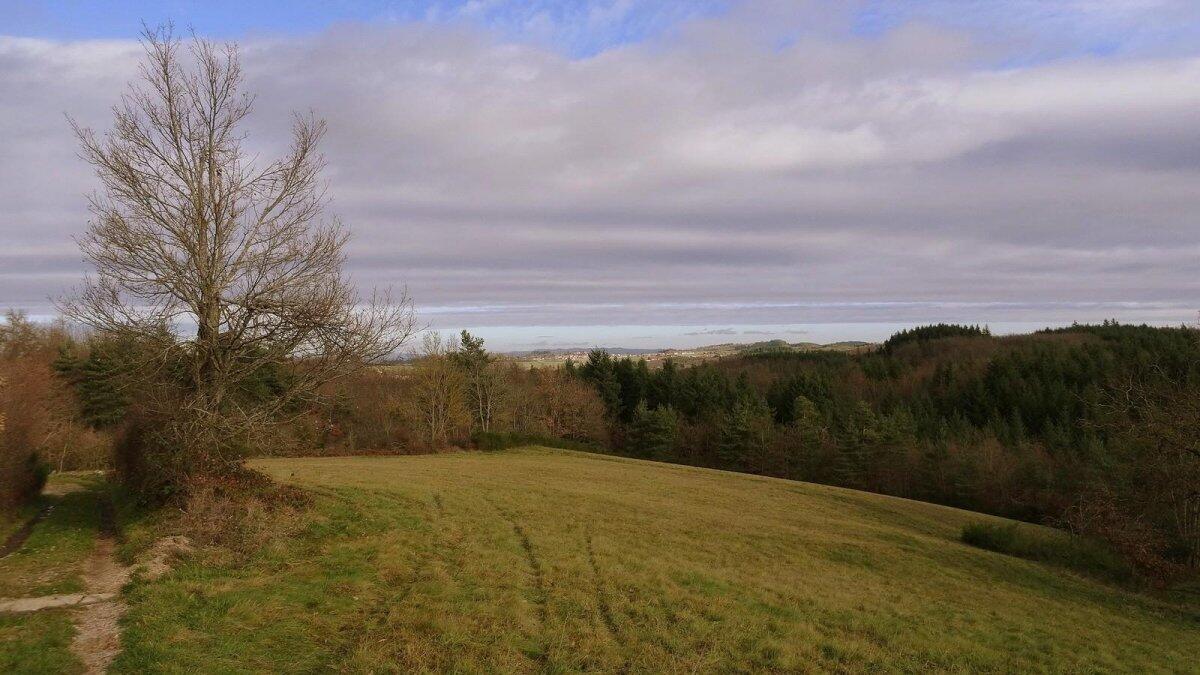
1050 546
241 511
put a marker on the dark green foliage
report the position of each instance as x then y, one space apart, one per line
600 370
744 432
267 382
1049 546
471 354
934 332
102 397
653 432
101 381
1016 426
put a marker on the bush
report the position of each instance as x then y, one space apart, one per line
1049 546
241 511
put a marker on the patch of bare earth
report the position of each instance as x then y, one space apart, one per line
97 632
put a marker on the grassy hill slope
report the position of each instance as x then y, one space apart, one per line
547 560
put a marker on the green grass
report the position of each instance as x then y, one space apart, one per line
37 643
554 561
11 521
51 559
1049 546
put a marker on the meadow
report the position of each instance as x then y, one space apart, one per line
538 560
541 560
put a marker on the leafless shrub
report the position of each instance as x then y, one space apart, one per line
240 512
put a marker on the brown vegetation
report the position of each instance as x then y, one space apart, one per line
437 402
40 429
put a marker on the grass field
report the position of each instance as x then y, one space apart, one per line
553 561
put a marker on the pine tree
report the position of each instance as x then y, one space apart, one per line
102 398
653 431
744 433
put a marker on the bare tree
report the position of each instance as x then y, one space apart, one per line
439 398
1162 413
189 230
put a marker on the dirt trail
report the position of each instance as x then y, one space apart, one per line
97 638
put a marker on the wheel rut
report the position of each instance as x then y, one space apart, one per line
602 604
376 612
536 571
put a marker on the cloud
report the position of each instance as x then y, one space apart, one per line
713 331
734 171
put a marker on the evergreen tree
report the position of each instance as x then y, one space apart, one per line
600 370
653 432
744 433
481 378
103 399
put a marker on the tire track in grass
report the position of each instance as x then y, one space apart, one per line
442 547
605 609
374 613
538 574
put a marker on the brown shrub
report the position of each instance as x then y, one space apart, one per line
242 511
1099 513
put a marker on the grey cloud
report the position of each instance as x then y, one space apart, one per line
704 178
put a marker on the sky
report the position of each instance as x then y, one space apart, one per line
645 173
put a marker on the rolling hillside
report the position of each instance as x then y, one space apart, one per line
546 560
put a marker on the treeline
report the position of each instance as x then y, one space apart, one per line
71 401
453 393
1049 427
447 395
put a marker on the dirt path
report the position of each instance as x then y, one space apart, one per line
97 638
99 608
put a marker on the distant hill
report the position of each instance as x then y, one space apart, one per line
721 350
550 353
